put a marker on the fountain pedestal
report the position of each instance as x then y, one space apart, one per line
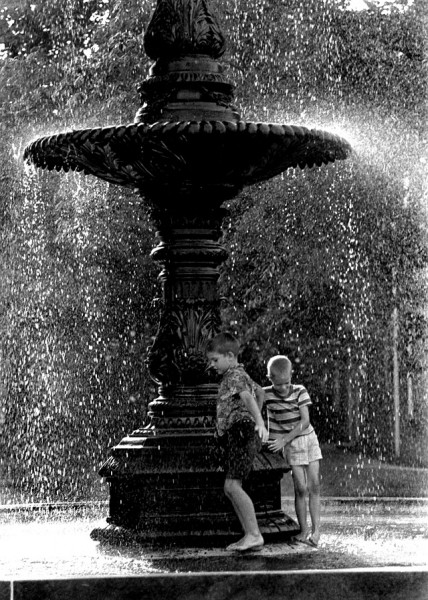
165 482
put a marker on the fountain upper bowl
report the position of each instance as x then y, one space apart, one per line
201 153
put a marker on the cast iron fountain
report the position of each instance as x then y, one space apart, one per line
187 152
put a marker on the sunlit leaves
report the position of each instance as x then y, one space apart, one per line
313 258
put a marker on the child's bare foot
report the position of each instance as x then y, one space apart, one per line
249 542
233 546
314 539
302 536
310 539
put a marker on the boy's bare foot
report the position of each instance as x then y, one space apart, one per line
302 536
314 538
233 546
310 539
249 542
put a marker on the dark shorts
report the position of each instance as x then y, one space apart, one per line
238 448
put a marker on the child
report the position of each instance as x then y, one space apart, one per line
291 432
239 420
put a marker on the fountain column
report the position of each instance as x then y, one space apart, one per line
190 253
164 478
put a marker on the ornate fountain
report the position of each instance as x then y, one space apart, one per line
187 152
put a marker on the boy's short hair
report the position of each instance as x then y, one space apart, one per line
223 343
279 364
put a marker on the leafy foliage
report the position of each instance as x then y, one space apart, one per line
318 259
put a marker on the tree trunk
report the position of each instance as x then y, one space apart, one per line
396 374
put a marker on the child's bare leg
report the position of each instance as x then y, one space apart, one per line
244 509
236 508
314 498
300 489
241 520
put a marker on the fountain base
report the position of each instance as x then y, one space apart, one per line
277 527
168 489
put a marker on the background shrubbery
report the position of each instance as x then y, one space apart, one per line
322 263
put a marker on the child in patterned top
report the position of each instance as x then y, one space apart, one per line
291 433
239 427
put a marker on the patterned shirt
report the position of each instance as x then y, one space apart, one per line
283 412
230 407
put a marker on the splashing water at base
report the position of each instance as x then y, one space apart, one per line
354 536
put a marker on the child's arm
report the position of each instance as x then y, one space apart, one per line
260 396
304 422
252 406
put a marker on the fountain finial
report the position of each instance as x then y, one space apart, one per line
183 27
186 82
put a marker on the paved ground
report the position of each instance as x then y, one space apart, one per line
373 515
355 535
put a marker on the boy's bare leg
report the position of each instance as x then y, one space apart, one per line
314 498
300 489
244 509
237 512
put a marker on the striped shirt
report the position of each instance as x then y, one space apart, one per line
283 412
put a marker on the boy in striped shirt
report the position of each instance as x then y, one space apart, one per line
291 433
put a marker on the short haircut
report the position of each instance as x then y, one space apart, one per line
279 365
223 343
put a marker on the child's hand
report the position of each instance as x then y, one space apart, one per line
276 445
263 432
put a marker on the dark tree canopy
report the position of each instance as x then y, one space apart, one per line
318 259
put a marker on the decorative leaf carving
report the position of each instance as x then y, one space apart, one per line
178 353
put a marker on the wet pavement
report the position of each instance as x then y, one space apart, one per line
356 534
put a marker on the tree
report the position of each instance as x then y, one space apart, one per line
314 281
